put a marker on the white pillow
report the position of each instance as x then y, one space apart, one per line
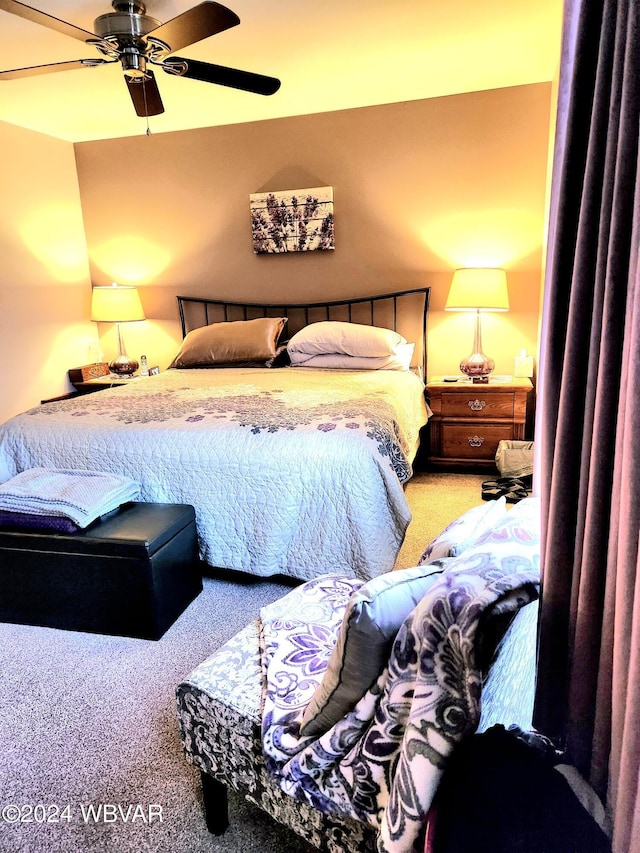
329 336
464 531
400 360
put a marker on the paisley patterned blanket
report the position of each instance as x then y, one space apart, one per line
294 471
381 763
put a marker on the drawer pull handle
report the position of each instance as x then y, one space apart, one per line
475 441
476 405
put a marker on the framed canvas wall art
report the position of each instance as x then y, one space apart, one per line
292 220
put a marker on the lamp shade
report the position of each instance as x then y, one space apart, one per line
478 289
116 304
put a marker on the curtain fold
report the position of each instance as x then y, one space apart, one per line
588 422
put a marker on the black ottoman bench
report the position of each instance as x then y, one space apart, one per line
131 573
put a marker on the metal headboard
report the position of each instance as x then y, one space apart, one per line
405 312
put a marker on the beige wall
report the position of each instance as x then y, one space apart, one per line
44 272
419 189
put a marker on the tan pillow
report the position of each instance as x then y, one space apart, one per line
229 343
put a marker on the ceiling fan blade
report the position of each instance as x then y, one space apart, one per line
195 24
38 17
34 70
145 95
259 84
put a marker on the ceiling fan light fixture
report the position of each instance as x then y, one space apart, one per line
134 64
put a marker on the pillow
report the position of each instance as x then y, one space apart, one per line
520 525
401 360
281 359
507 694
238 341
372 619
464 531
330 336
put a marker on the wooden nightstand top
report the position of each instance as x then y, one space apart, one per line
102 382
466 384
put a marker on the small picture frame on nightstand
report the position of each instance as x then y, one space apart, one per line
154 371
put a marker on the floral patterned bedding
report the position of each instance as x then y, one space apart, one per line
381 764
292 471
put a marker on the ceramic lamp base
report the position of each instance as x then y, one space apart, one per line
477 364
123 365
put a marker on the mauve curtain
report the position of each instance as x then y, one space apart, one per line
588 420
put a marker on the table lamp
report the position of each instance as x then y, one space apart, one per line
478 289
117 304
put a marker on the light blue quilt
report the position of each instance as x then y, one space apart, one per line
293 471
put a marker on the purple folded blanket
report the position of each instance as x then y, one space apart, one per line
57 523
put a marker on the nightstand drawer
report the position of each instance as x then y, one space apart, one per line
467 441
475 404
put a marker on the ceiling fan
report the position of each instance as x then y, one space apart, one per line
138 41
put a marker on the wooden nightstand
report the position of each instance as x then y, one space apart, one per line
470 419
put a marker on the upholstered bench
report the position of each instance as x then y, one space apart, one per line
220 716
131 573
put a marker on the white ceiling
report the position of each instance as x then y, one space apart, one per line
329 54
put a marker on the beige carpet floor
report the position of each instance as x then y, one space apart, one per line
436 499
91 719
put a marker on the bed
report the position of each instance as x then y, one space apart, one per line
294 470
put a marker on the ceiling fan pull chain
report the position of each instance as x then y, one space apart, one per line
146 111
